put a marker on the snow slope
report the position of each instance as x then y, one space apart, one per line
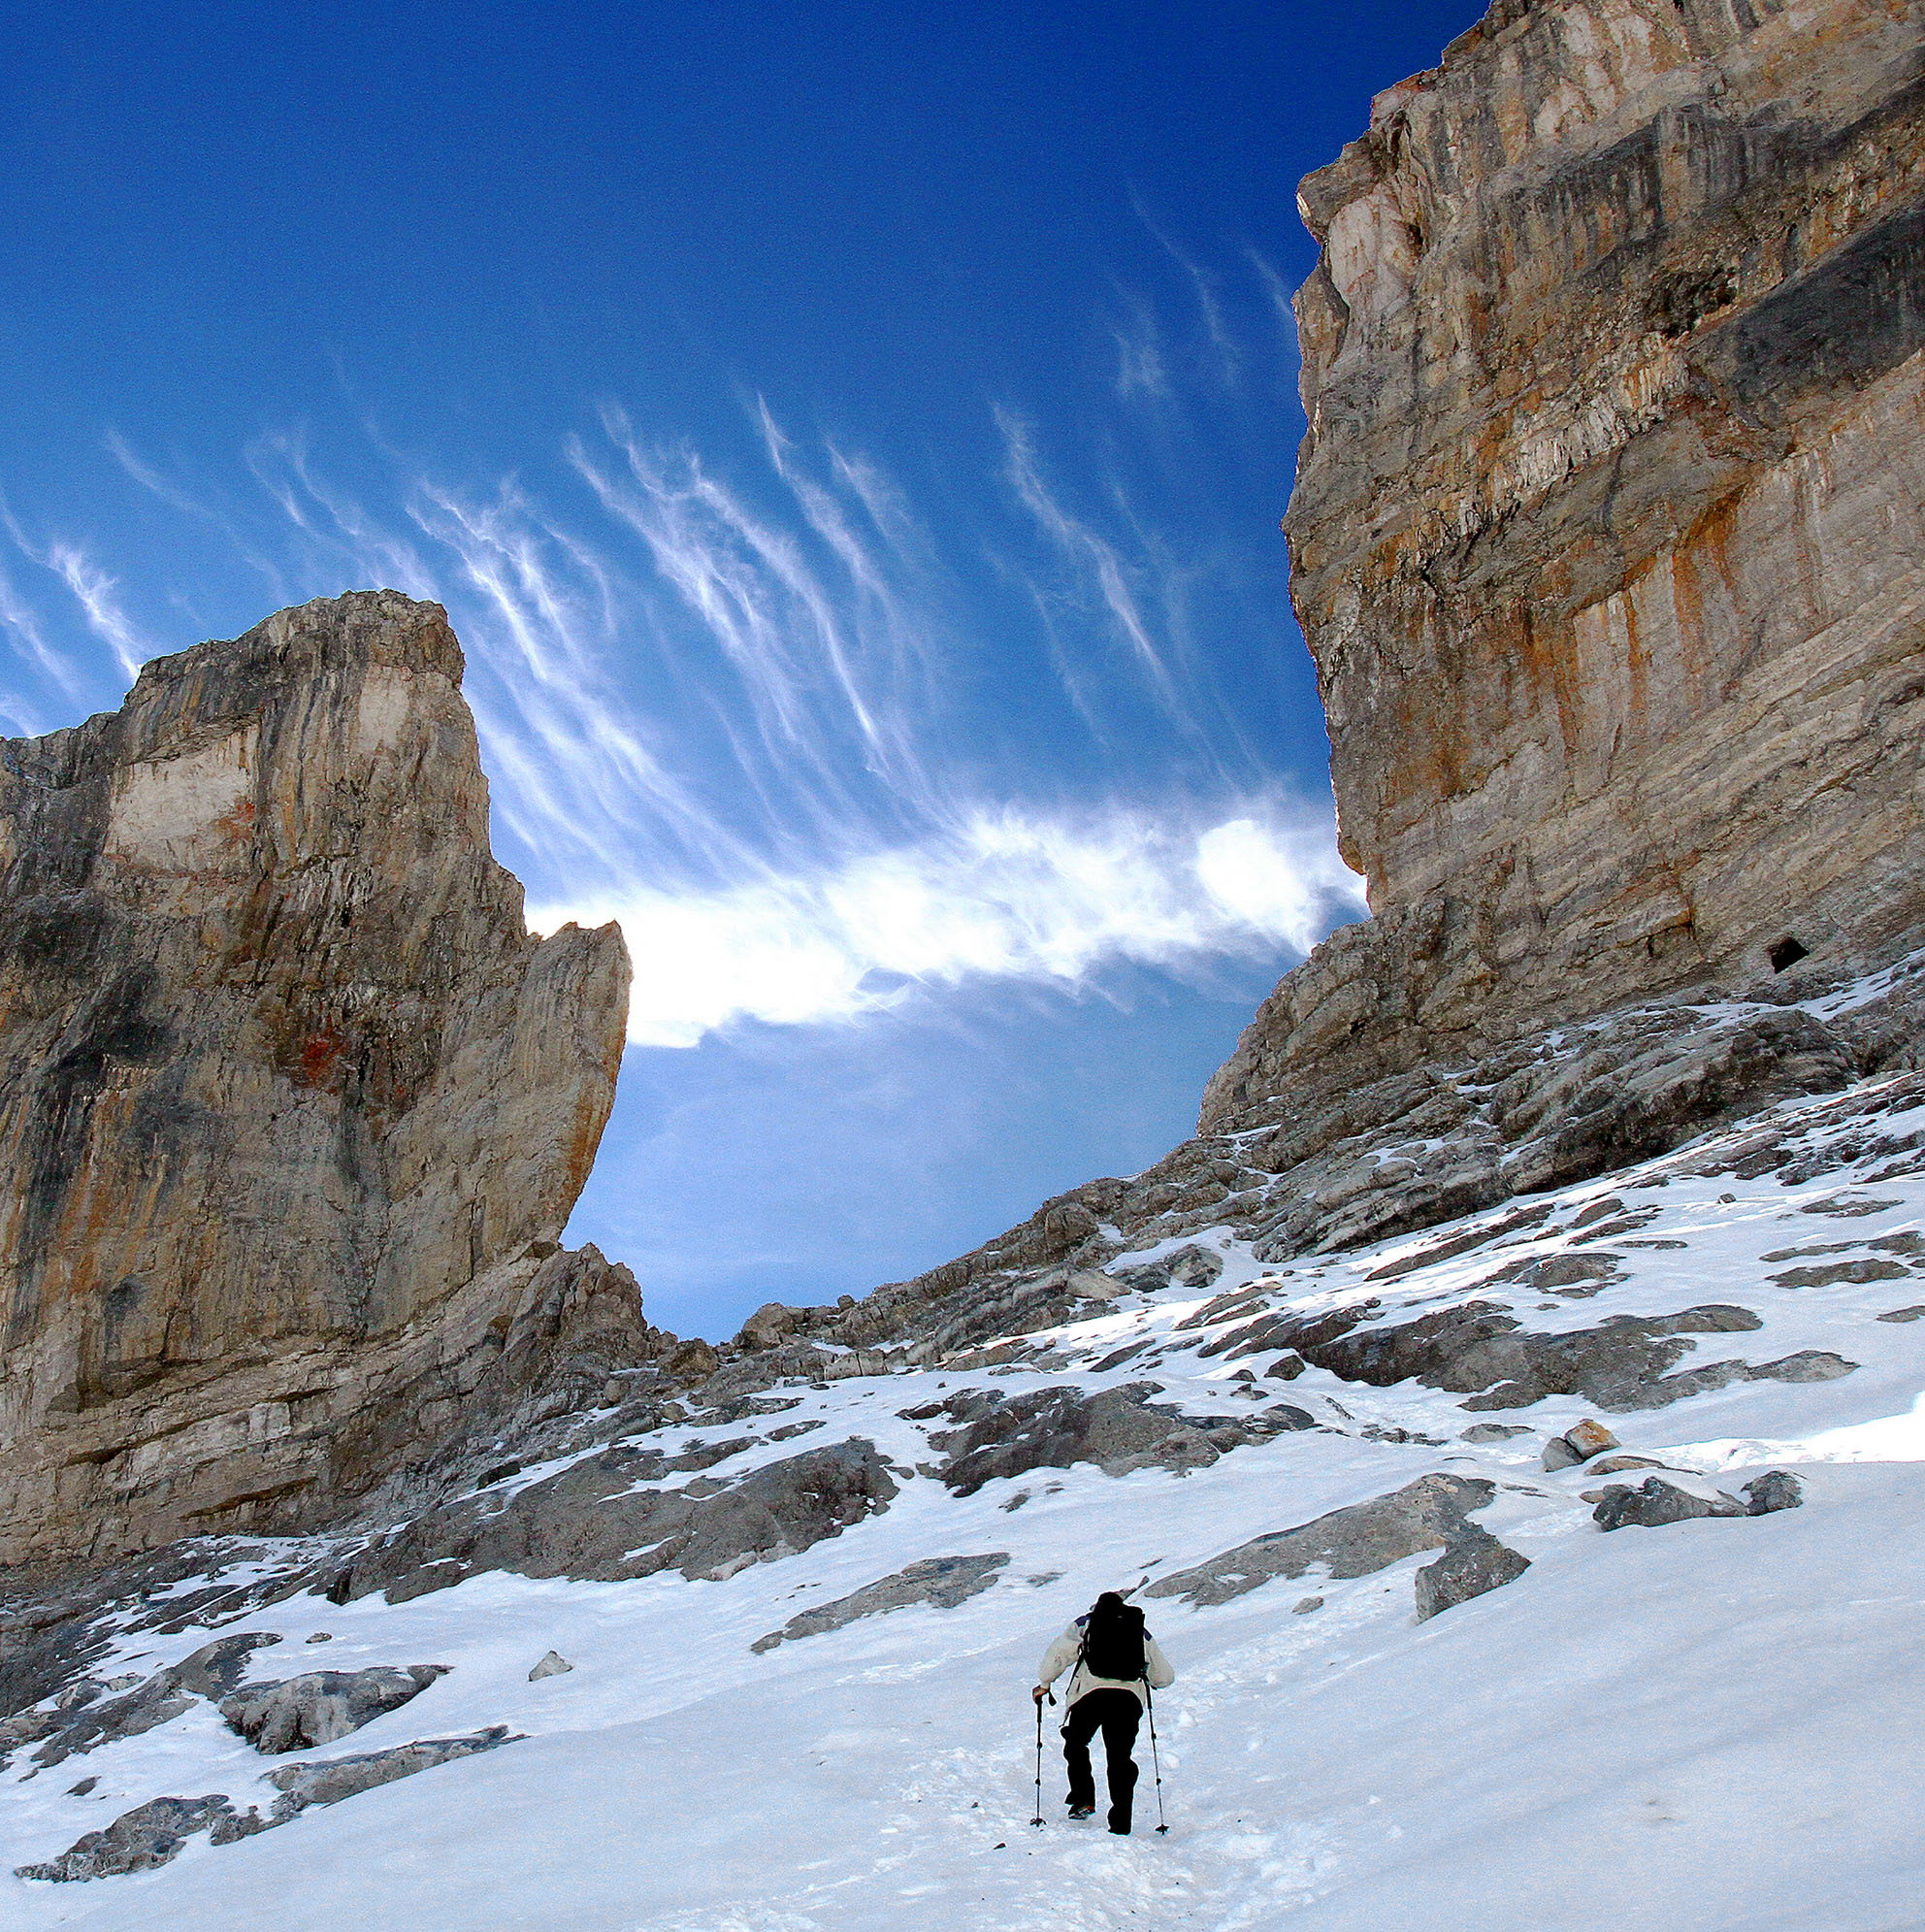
1708 1725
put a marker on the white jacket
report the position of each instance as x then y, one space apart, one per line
1063 1652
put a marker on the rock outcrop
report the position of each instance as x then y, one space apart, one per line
293 1107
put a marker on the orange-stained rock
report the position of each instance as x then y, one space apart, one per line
1609 531
293 1108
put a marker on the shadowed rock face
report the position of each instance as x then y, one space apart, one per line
292 1107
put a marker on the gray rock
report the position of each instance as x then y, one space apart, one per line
1354 1542
1775 1489
149 1836
1657 1503
941 1582
1305 1604
1807 1365
322 1706
1493 1431
1860 1271
1118 1430
554 1664
598 1519
211 1672
329 1780
1194 1266
1559 1455
1481 1350
152 1834
1914 1313
1471 1564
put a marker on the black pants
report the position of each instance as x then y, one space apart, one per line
1117 1713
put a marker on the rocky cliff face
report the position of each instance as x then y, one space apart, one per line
292 1107
1607 529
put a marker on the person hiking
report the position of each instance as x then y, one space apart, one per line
1114 1657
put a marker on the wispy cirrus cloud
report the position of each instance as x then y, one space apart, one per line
746 702
1096 564
1003 896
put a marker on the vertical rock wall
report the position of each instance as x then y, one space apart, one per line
292 1107
1609 531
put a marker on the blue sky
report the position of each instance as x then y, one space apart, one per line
849 440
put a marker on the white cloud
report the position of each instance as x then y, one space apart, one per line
1003 896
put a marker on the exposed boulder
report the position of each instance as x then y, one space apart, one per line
941 1581
1190 1266
1118 1430
211 1672
1481 1350
1424 1515
553 1664
322 1706
152 1834
593 1521
141 1839
1657 1503
1473 1562
328 1780
1774 1490
1578 1445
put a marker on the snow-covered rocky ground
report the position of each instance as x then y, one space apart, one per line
1710 1724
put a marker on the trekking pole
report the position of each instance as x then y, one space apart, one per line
1150 1702
1038 1762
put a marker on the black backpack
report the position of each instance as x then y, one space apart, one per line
1112 1640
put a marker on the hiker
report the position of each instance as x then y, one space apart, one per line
1115 1658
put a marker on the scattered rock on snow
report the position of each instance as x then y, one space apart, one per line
1118 1430
149 1836
1493 1431
1617 1465
1479 1349
942 1581
1912 1314
1578 1445
1473 1562
152 1834
554 1664
1423 1515
1657 1503
1774 1490
212 1672
334 1779
1589 1438
322 1706
1305 1604
594 1520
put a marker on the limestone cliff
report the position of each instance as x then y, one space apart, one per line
292 1107
1609 531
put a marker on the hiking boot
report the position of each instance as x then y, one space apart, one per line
1082 1811
1121 1830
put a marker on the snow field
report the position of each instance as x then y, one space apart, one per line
1711 1725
